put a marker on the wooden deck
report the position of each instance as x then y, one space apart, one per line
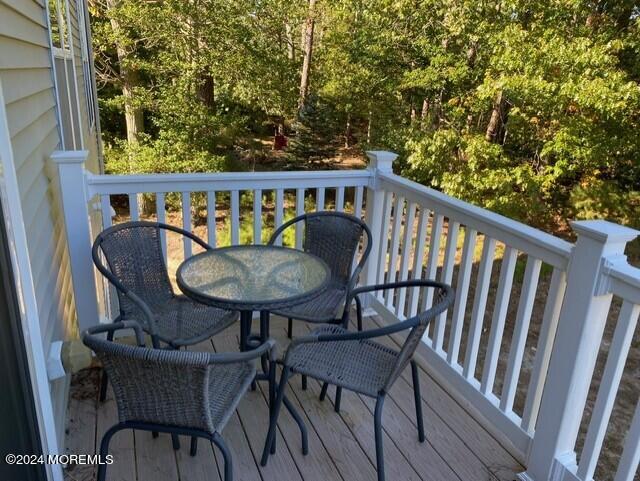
341 446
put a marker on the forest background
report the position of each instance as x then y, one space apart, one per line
530 108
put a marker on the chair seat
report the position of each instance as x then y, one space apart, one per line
363 366
227 385
181 321
324 308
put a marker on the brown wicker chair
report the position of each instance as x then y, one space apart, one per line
176 392
355 361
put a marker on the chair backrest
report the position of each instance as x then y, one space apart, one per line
133 252
334 237
442 299
157 386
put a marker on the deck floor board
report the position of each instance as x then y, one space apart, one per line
341 445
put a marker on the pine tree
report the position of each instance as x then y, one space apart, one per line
314 138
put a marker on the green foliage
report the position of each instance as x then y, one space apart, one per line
605 199
527 107
160 156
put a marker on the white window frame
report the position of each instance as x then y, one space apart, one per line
66 52
85 43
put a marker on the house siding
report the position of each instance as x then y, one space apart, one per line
30 101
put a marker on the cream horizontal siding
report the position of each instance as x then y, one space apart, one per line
28 88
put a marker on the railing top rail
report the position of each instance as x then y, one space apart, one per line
546 247
624 281
225 181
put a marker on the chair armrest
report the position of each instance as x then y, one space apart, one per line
116 326
400 284
269 346
351 336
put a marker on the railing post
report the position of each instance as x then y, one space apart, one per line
575 350
73 191
379 162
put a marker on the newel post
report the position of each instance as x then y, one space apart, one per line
379 162
580 329
75 208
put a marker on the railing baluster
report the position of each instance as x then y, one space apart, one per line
462 292
500 309
357 212
299 211
257 216
384 241
357 207
547 335
134 211
437 222
186 223
235 217
278 217
609 384
398 212
418 259
105 207
109 294
519 340
628 465
480 303
446 276
211 218
319 199
162 218
404 260
340 199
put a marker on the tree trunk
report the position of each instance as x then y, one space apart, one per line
424 113
129 80
497 122
206 90
291 45
307 52
472 54
347 131
369 128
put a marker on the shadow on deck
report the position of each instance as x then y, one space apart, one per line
341 446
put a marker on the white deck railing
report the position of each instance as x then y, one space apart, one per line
419 232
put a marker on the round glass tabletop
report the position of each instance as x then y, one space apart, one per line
253 277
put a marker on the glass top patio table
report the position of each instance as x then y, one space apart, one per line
253 277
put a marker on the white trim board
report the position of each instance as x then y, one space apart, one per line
26 295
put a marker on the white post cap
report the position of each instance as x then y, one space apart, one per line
70 156
381 160
604 231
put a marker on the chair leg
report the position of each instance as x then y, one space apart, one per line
359 313
418 400
194 446
104 381
378 434
154 434
290 328
300 422
273 421
226 454
338 398
104 449
304 382
175 441
323 391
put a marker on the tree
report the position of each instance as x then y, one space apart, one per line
307 54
